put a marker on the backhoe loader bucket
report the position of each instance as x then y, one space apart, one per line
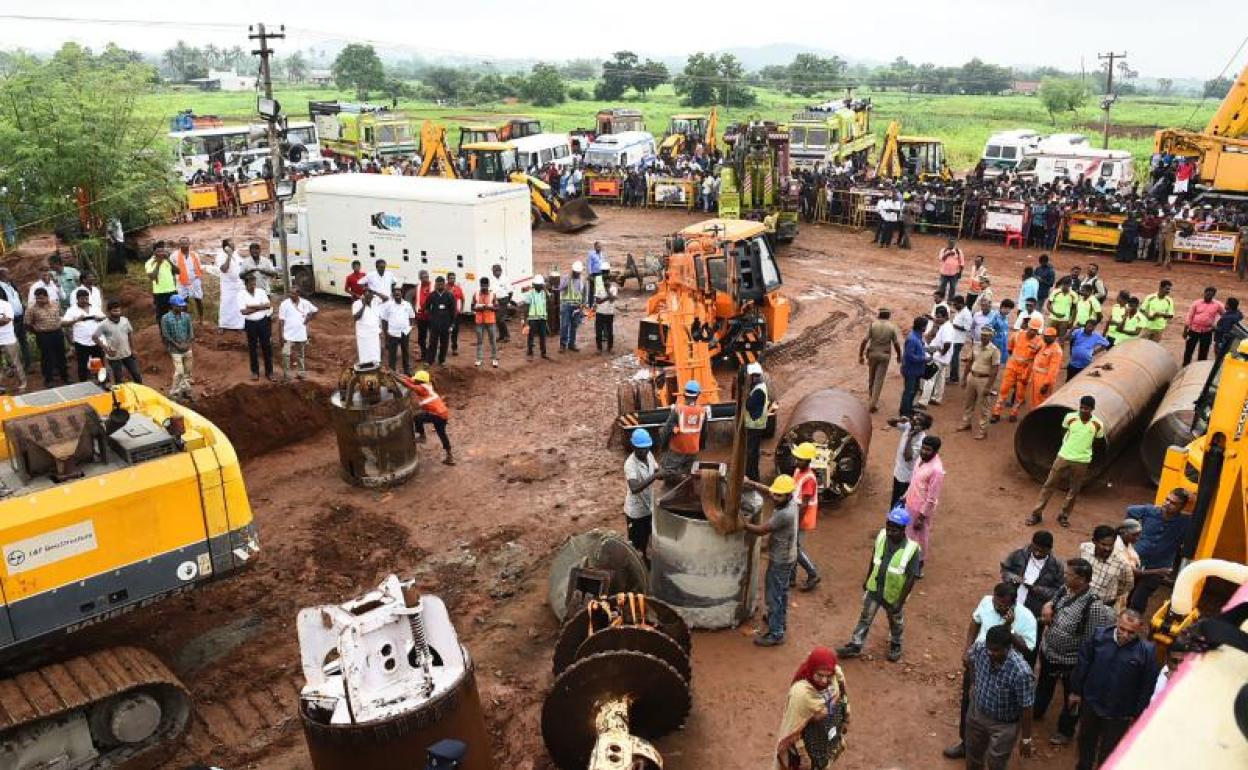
574 215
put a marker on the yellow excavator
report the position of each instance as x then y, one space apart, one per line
109 502
918 157
719 301
497 162
1221 149
1214 469
687 131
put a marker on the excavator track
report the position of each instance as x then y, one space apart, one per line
132 703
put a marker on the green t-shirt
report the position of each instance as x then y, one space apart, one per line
1060 303
1153 305
164 283
1080 435
1085 309
1131 327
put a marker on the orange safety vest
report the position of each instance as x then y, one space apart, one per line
184 275
810 514
429 401
484 298
687 435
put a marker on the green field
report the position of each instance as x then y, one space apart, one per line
963 122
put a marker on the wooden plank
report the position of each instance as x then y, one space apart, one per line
14 706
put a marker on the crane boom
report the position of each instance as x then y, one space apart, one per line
1231 119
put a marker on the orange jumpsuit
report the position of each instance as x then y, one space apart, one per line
1044 370
1017 371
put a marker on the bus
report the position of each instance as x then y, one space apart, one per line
234 147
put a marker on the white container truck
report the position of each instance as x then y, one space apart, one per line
414 223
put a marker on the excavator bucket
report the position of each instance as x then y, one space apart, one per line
575 214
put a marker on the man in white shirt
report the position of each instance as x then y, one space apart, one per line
397 316
640 473
367 327
962 323
261 268
81 320
95 297
941 350
8 343
14 297
47 280
887 210
293 316
1027 313
257 310
380 281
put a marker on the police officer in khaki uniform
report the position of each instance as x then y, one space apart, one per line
875 351
983 363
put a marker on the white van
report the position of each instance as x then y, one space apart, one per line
533 153
1004 150
620 150
1114 169
414 223
1064 140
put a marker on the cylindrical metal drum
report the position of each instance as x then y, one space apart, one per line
839 425
1126 382
709 578
1172 422
402 742
372 419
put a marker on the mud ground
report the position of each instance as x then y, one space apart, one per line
534 467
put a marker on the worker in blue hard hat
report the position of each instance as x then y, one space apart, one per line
682 433
781 529
178 333
640 471
894 568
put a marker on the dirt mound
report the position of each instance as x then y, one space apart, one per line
529 466
261 418
362 545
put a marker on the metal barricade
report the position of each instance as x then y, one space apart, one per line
1098 232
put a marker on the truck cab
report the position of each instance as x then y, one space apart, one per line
619 120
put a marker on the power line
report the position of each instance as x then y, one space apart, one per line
1221 75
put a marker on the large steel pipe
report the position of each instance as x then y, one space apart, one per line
1126 382
839 425
1172 422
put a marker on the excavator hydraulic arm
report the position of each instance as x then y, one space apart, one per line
1231 119
433 145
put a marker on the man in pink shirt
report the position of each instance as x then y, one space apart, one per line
1198 326
924 494
951 264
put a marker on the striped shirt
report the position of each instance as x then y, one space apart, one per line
1075 619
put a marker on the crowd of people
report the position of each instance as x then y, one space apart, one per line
1076 621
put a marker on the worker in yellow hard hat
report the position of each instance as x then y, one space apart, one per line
432 410
781 530
807 491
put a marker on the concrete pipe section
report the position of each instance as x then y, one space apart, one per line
1126 381
1172 422
711 579
372 419
839 426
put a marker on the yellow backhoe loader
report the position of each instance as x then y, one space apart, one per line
685 132
109 502
916 157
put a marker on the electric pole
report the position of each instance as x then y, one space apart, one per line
277 163
1108 100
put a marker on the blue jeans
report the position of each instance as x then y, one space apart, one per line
908 392
569 319
776 587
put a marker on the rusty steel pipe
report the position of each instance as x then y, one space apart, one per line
1171 424
833 418
1126 382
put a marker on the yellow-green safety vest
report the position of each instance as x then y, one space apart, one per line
895 579
761 422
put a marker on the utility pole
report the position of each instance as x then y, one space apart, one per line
277 163
1108 100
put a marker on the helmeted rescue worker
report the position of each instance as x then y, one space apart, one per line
894 567
433 410
1023 347
682 434
1045 368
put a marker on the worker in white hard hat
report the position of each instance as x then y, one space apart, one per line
573 294
757 411
605 291
535 315
682 434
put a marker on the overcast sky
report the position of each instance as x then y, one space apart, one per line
1054 32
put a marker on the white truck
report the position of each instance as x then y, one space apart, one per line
1113 169
414 223
1005 149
